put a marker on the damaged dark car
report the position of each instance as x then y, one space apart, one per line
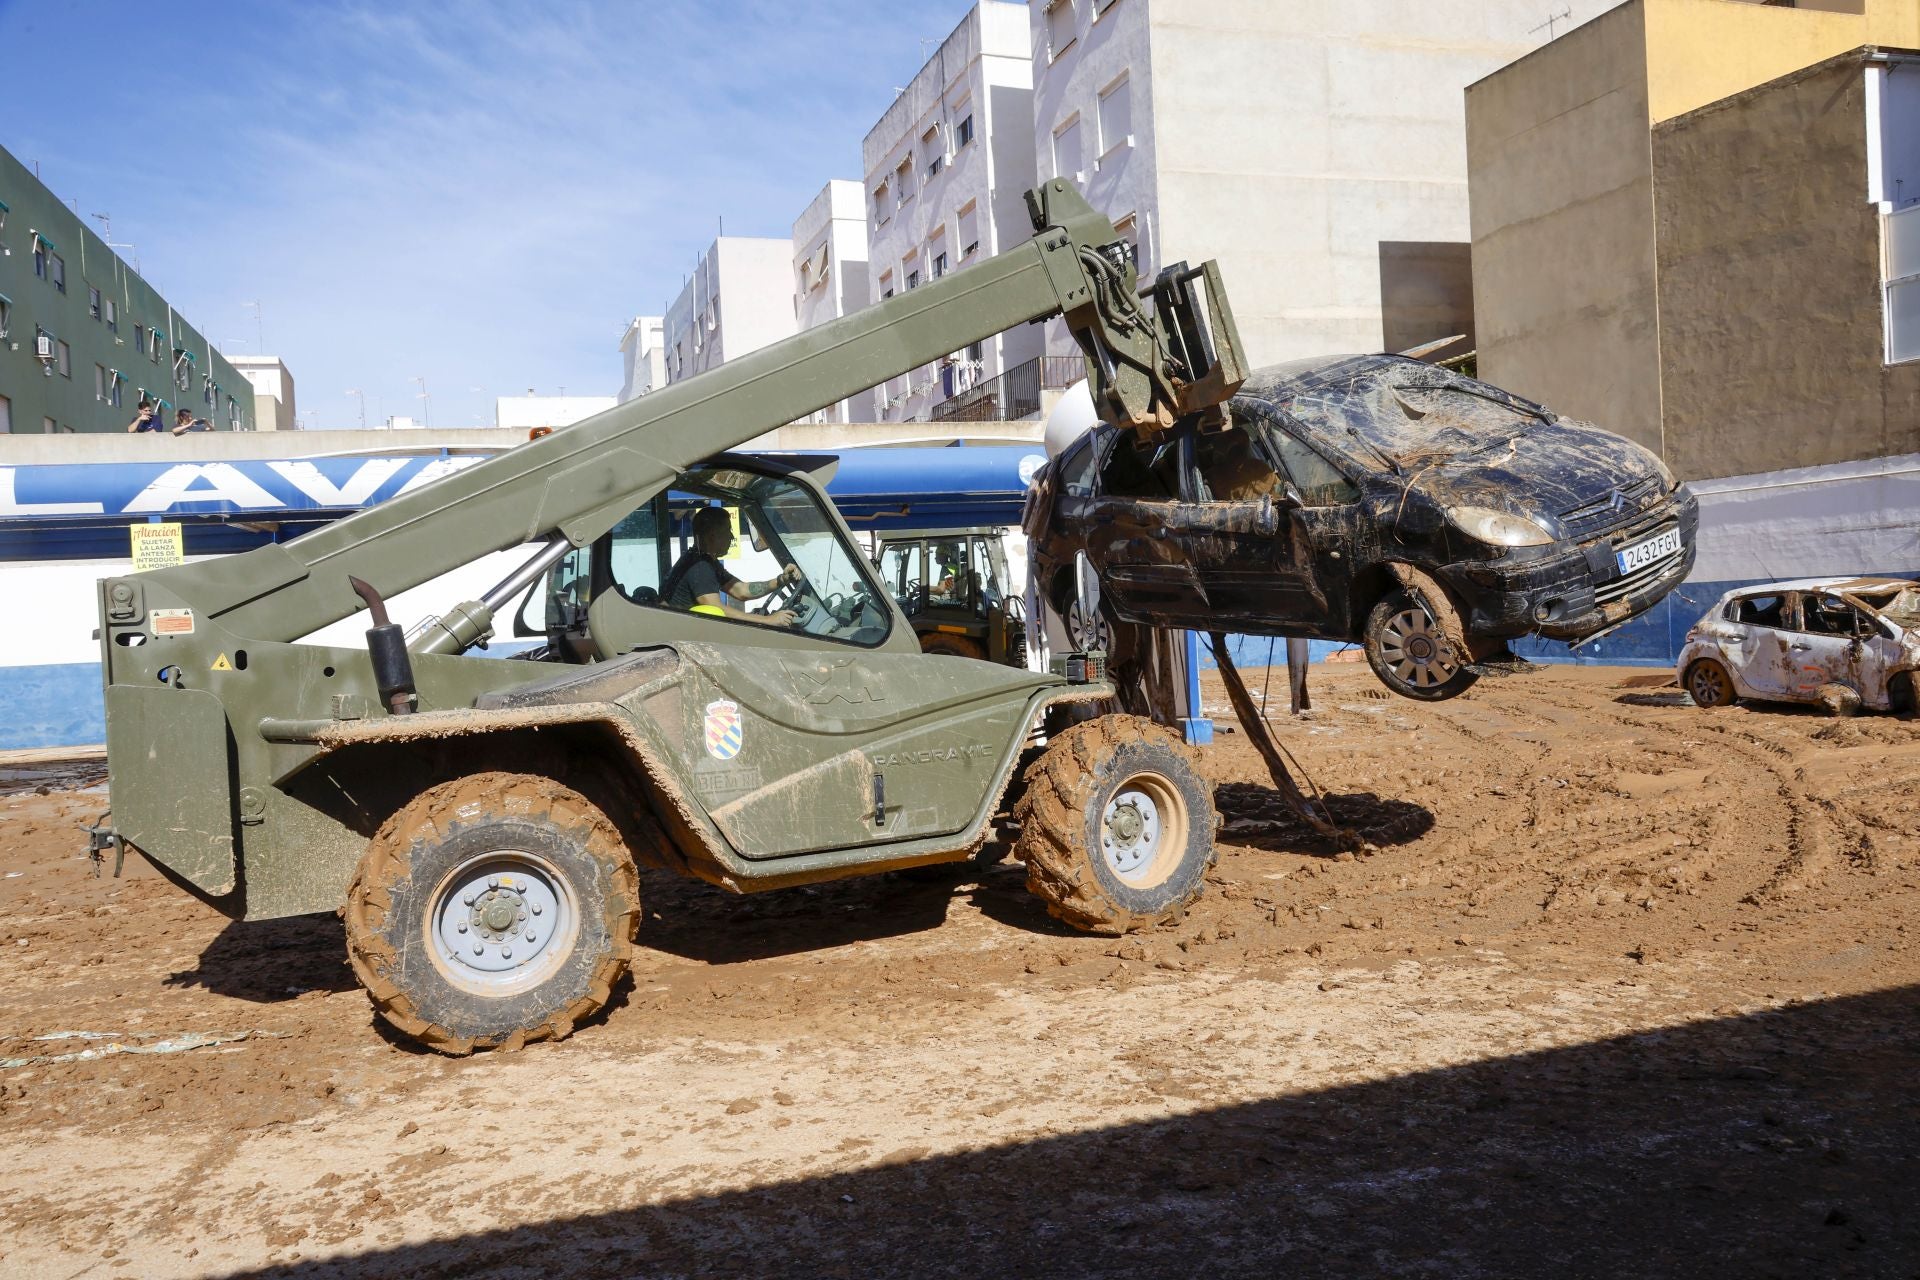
1374 499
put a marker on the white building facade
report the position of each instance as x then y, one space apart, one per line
1316 148
272 384
830 270
737 300
643 357
527 412
947 168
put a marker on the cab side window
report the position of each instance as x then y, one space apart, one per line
1759 611
1320 483
635 555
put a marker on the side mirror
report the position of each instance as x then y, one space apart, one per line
1086 586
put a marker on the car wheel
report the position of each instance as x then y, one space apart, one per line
1088 633
1406 650
1709 685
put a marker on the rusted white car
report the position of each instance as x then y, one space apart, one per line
1846 643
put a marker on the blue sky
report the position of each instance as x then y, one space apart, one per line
478 194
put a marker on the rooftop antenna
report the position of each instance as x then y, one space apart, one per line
259 324
355 391
1565 15
106 234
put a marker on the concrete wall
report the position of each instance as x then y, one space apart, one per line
980 75
1769 265
737 300
830 266
272 383
1700 51
214 388
1561 186
643 357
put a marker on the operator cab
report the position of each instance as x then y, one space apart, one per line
778 518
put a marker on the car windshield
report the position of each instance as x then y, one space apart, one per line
1406 410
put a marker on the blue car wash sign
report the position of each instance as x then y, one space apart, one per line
142 489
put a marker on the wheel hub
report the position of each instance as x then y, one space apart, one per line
1130 832
499 916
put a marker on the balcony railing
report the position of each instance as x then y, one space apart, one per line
1015 394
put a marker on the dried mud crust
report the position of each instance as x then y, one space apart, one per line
1060 816
388 902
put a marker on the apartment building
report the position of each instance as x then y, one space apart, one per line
1316 148
272 383
736 300
83 339
643 357
830 271
946 170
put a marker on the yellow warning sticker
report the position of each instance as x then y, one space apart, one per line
221 664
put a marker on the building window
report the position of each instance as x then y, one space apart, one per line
93 302
963 132
969 232
939 265
153 345
1116 117
934 154
3 217
1129 229
64 361
1901 286
880 210
57 271
183 368
903 180
39 259
100 382
6 416
1060 26
913 279
114 383
112 317
1067 162
6 315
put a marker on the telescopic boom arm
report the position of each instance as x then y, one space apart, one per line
1149 362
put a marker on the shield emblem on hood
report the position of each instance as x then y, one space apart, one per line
724 731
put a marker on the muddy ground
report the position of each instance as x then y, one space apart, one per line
1628 988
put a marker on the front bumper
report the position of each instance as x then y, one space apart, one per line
1574 590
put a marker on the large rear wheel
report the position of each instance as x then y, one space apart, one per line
1116 826
491 911
951 645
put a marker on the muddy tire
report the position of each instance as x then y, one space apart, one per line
1116 826
1900 694
950 645
492 911
1709 684
1409 655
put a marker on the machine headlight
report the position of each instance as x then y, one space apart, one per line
1498 528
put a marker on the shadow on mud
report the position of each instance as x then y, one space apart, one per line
1780 1143
697 921
1256 817
267 961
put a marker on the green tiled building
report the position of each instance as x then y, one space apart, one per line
83 338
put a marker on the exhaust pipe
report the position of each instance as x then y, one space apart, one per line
387 646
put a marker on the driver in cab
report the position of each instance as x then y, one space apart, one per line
698 579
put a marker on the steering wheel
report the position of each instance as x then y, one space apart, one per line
784 596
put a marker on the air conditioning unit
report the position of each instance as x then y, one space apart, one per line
43 346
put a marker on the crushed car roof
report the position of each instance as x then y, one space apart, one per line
1824 584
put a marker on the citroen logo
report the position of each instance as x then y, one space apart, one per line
1618 501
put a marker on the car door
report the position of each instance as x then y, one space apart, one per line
1828 646
1247 538
1136 531
1756 638
1333 526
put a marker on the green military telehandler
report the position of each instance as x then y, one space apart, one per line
479 821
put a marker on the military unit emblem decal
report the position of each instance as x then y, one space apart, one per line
725 733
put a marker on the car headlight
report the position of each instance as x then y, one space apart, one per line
1498 528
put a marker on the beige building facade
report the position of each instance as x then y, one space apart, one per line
1316 148
1682 219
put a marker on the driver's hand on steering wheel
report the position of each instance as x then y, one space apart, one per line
791 574
781 618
